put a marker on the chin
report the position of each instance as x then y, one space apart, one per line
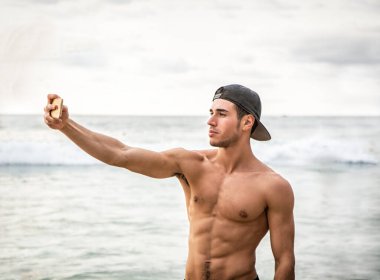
224 143
217 144
213 144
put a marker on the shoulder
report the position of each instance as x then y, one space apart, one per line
278 191
189 162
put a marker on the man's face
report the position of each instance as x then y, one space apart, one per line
223 123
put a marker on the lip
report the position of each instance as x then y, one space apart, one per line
212 132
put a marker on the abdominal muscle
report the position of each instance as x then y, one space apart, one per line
220 248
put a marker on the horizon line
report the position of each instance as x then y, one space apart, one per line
184 115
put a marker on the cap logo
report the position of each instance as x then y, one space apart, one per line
218 95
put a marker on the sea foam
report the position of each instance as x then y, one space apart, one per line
317 150
306 151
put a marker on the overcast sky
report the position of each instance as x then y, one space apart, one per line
167 57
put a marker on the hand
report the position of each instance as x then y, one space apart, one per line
49 120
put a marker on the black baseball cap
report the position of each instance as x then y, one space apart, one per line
249 101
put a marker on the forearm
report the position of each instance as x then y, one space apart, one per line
284 269
101 147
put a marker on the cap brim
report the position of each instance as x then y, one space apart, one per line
261 133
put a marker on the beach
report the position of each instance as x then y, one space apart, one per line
63 215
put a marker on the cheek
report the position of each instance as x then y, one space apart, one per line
230 125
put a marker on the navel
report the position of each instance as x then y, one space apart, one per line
196 198
243 214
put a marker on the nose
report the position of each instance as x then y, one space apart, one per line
211 121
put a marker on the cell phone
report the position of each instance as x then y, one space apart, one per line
57 113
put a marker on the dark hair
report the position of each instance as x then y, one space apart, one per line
241 113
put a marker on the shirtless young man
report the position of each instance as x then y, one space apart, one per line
232 198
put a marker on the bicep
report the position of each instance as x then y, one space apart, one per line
150 163
281 228
281 222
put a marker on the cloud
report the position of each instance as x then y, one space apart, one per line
26 43
84 59
167 65
125 46
340 50
89 57
370 4
120 2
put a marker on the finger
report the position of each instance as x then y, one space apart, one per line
50 107
47 122
51 97
50 119
53 124
64 108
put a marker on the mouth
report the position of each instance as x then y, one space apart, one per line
212 132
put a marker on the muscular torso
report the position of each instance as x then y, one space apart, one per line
227 215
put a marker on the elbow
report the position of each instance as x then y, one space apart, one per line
119 162
285 267
118 159
288 261
287 258
114 162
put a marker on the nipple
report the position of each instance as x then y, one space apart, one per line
243 214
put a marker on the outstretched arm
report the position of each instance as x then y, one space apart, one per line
281 226
112 151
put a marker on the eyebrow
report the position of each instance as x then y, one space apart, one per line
220 110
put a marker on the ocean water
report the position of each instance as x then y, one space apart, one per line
63 215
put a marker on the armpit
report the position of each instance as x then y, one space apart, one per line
182 177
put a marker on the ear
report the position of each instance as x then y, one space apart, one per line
248 121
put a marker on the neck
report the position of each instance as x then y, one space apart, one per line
238 157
